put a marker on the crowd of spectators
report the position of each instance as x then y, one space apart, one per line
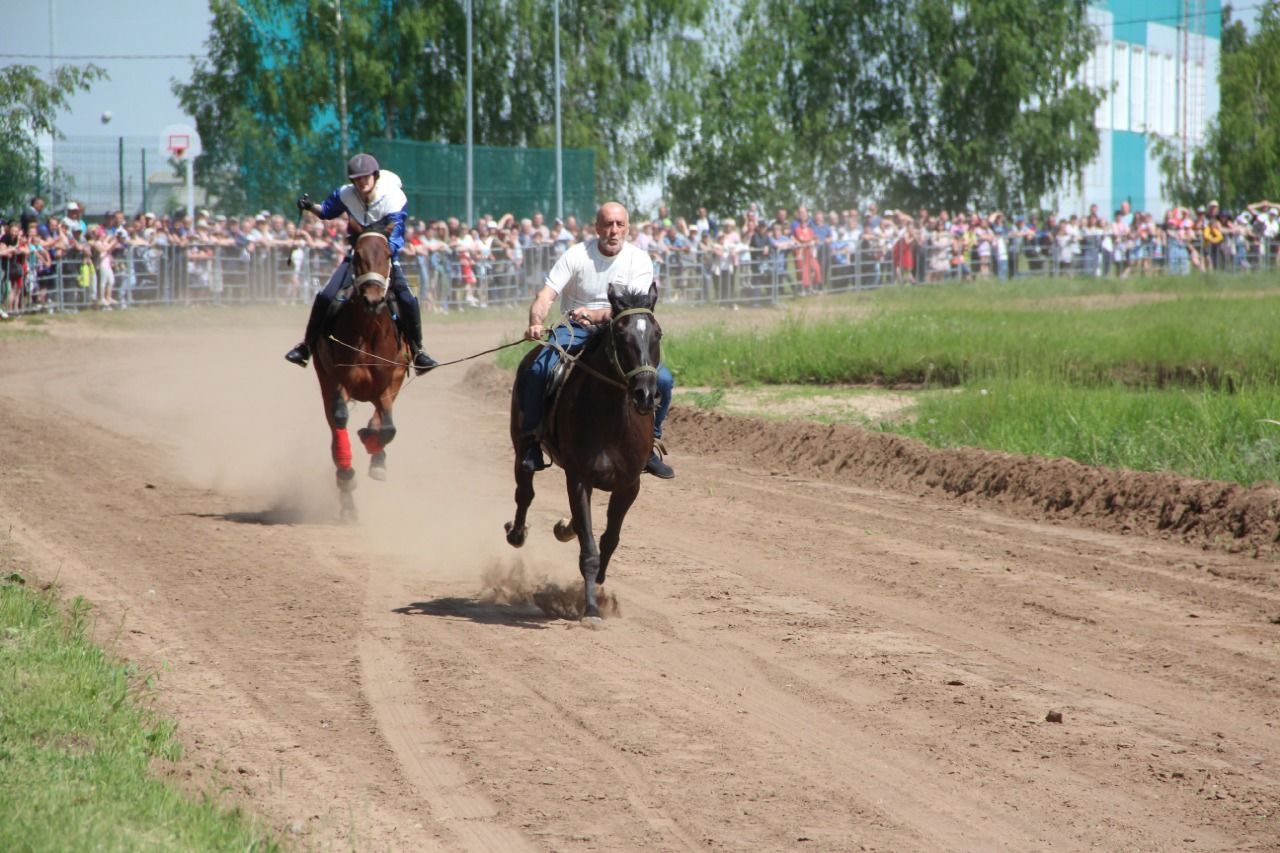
702 256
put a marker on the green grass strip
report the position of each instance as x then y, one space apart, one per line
1203 434
76 747
951 335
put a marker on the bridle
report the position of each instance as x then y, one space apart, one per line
373 276
645 366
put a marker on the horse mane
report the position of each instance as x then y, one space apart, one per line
380 225
625 299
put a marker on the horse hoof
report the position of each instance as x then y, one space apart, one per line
516 535
593 622
346 479
564 530
347 514
378 467
376 473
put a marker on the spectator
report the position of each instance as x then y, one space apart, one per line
31 216
806 253
73 224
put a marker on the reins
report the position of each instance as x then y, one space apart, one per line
571 360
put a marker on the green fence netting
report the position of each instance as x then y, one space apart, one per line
505 180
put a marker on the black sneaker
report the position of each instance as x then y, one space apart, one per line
657 467
532 460
423 362
299 355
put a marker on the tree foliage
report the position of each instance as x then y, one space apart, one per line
29 106
945 102
265 98
1239 162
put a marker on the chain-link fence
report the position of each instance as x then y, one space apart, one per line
108 173
465 279
515 180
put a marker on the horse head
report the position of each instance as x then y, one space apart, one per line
371 260
635 344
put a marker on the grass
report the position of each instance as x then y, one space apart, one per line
1205 433
953 335
78 746
1159 374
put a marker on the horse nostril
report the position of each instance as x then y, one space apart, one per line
643 399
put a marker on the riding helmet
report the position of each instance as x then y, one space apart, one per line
361 165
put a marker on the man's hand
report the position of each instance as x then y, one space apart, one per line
305 205
534 332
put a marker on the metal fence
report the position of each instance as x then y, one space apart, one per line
199 273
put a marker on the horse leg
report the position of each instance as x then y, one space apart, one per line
336 413
588 553
374 437
518 529
619 502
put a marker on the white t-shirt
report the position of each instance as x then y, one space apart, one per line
582 275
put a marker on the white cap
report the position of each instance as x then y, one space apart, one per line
71 205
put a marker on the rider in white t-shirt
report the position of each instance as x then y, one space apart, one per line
581 279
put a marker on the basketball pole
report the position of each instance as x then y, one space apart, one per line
191 189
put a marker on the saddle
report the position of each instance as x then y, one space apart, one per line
550 396
343 296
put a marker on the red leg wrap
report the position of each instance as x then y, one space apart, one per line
341 448
372 442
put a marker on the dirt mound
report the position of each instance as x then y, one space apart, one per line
1211 514
1208 513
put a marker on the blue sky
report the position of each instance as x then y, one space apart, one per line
138 93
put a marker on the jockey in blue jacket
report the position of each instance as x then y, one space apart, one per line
372 195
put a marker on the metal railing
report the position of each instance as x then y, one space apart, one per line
447 280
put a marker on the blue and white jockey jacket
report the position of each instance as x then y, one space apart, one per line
388 200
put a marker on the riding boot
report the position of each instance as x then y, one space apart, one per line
657 467
409 320
300 354
531 459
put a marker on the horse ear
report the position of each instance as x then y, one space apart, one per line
615 294
653 296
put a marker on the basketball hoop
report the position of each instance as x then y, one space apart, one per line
180 142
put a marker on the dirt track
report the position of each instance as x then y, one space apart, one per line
798 662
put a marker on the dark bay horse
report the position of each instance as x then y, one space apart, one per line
600 431
366 361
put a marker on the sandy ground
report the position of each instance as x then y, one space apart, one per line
804 654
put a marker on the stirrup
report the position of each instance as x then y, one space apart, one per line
532 459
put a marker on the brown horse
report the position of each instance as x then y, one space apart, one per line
600 431
366 360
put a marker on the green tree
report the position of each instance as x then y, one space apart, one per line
29 106
938 102
1239 162
265 98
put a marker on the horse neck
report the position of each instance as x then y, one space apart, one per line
615 405
357 320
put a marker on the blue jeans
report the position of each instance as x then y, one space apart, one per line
533 382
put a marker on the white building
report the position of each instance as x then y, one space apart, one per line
1159 61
